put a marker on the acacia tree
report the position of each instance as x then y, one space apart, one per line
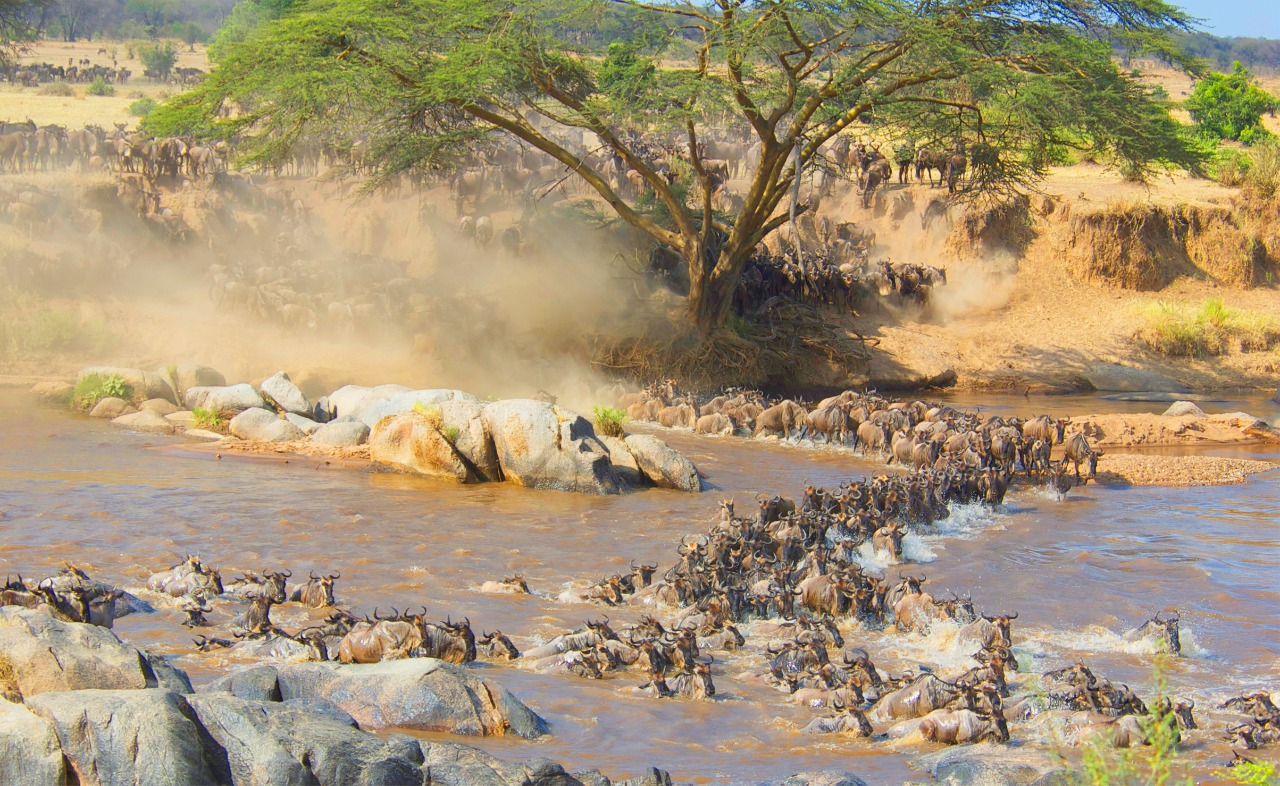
421 80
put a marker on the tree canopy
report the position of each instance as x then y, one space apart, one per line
1230 106
422 82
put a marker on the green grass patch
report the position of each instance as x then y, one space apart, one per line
143 106
450 434
29 325
609 420
431 412
1212 329
92 388
209 419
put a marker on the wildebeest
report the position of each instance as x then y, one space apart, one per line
510 585
924 695
383 639
988 631
498 647
929 160
317 592
257 616
957 727
1163 630
847 720
272 584
1078 451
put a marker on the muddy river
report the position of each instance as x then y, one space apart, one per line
1079 572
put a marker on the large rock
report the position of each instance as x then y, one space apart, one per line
193 375
49 656
662 465
1180 408
232 398
145 384
29 750
825 778
412 442
989 764
355 399
260 425
278 389
130 737
147 420
341 435
623 462
111 408
417 693
54 392
474 442
542 446
160 406
257 683
268 743
1126 379
306 425
400 403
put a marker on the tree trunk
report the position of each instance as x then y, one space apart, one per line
711 293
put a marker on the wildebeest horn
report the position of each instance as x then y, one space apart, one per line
1012 616
335 576
375 614
1176 616
313 576
288 574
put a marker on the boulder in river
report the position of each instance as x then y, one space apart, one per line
663 466
542 446
112 408
279 390
623 462
143 384
989 763
355 399
416 443
824 778
30 753
55 392
306 425
415 693
147 420
260 425
194 375
159 406
129 737
341 435
403 402
229 399
49 655
268 742
1180 408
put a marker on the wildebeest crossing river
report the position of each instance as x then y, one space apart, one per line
1078 572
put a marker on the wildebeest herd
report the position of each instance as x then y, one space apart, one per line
28 147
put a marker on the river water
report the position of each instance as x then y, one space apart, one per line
123 505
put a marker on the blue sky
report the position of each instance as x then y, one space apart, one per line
1253 18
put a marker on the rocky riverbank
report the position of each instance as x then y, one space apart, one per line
437 433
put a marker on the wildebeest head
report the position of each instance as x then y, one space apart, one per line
1003 625
641 575
1000 728
959 608
274 585
195 614
602 629
702 672
499 646
1167 628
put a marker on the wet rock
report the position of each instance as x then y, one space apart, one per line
55 392
279 390
1126 379
989 764
258 683
229 399
623 462
271 743
662 465
111 408
1180 408
144 384
183 418
417 693
542 446
146 421
820 779
342 435
49 655
412 442
260 425
159 406
453 764
194 375
29 750
129 737
306 425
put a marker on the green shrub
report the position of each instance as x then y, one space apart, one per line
93 388
1213 329
431 412
143 106
609 420
210 419
1251 773
57 89
450 434
99 87
1230 106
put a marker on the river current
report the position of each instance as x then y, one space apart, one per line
1078 572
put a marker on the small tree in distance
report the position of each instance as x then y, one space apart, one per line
1230 106
158 59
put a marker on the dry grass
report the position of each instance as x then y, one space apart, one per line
1179 330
